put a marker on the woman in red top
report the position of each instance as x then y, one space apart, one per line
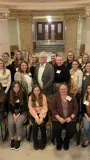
64 112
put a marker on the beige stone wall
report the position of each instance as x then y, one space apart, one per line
25 27
4 37
81 34
13 33
87 44
71 35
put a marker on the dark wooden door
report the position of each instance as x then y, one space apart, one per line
50 31
59 31
40 31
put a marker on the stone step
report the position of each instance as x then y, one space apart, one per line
50 48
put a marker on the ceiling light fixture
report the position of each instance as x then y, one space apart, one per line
49 19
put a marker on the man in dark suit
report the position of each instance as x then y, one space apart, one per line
44 74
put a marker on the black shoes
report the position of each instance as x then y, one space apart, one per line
12 145
66 144
36 147
17 145
42 146
39 145
85 144
59 147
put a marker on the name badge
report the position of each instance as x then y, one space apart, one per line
87 74
84 78
86 103
72 76
17 101
58 71
68 98
16 69
29 74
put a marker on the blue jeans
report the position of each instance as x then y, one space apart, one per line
87 127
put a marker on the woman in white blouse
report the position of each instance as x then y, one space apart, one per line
76 76
5 77
24 77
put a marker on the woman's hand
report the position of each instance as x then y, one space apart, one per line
62 120
41 120
68 120
88 118
73 116
15 117
37 120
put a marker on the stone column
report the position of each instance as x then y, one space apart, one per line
81 34
4 35
87 44
71 24
25 30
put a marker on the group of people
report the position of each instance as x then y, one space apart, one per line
25 86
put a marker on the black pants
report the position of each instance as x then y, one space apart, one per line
42 129
78 98
70 129
6 100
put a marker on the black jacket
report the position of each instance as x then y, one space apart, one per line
61 74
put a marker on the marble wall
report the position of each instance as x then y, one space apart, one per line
4 37
87 44
13 32
25 26
71 25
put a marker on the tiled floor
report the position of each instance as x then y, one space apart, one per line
27 152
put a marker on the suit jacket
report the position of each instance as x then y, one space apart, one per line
57 108
47 78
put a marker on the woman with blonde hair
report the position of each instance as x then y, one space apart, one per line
34 61
6 59
85 59
15 64
5 77
76 77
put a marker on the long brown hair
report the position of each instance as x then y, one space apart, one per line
20 70
19 95
86 94
34 99
16 62
4 68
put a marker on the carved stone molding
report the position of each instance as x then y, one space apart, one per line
88 12
4 14
25 19
71 18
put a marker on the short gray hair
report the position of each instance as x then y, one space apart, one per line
43 53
